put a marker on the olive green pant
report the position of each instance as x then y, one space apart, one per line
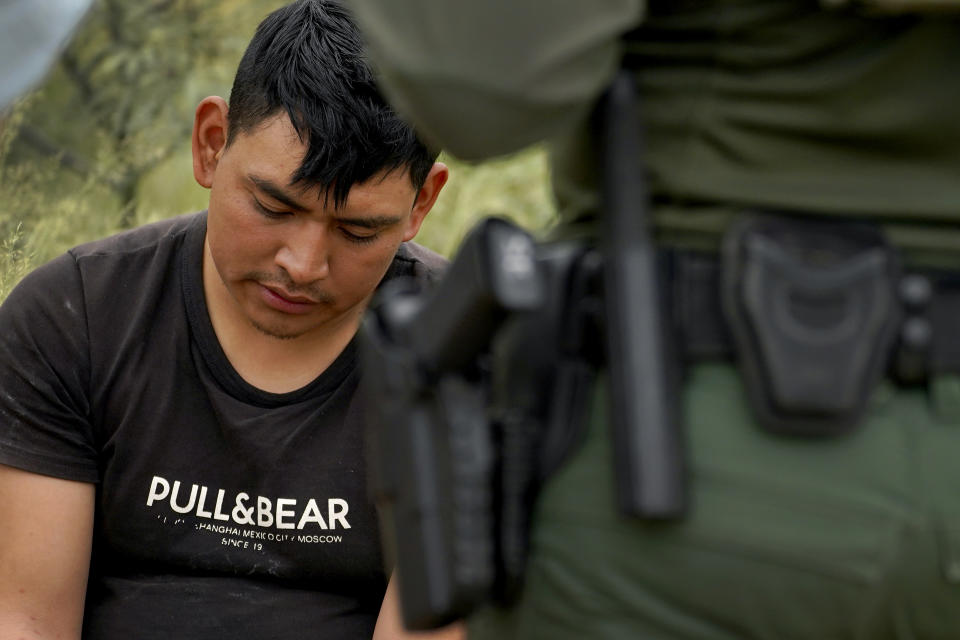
849 537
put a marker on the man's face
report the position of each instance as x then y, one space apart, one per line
291 263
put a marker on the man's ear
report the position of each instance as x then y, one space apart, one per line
426 198
209 138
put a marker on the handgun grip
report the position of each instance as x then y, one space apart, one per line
493 274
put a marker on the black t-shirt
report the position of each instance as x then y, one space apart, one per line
223 511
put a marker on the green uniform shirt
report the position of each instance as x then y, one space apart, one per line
749 104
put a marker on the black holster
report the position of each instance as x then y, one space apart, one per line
477 390
467 414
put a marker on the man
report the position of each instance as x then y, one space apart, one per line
180 451
753 109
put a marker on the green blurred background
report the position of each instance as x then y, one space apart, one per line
103 144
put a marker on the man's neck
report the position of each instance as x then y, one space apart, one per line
282 365
276 365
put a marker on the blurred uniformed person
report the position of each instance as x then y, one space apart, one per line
793 148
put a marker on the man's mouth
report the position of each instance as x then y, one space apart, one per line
291 297
282 300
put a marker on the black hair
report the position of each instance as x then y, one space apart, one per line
307 59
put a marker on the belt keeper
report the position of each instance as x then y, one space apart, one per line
912 360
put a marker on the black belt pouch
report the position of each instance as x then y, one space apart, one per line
813 311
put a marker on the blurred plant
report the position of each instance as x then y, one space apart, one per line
516 187
15 261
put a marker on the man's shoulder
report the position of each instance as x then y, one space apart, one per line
415 260
108 263
145 237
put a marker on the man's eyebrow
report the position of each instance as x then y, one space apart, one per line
276 192
369 222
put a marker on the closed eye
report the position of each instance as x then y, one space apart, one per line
268 212
358 238
366 228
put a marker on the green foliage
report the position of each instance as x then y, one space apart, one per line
516 187
15 261
104 144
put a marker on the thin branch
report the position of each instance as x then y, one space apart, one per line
46 146
72 67
115 15
160 6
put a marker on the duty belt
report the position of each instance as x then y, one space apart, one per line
915 339
928 343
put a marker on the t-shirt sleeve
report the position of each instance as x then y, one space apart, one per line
44 375
428 266
484 78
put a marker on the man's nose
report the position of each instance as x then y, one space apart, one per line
304 254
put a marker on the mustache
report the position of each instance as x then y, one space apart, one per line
282 280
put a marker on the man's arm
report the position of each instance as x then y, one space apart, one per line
390 625
486 78
44 554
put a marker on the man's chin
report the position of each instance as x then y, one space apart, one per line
276 331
